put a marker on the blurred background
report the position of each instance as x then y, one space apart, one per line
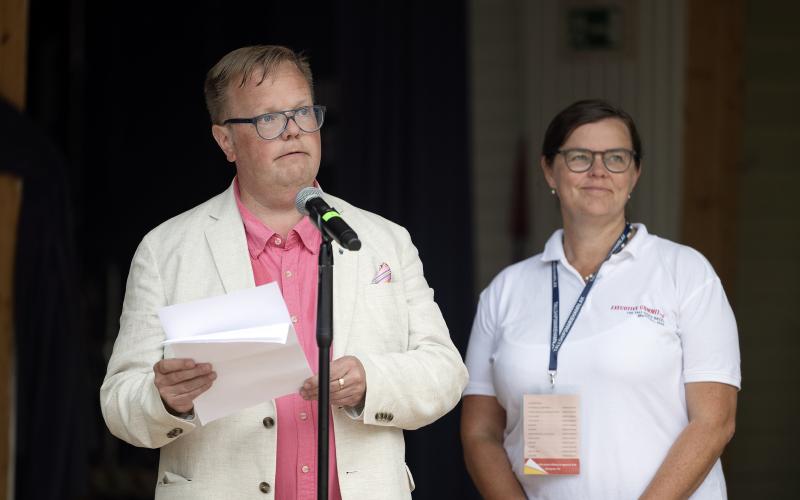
436 112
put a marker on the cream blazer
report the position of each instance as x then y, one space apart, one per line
414 373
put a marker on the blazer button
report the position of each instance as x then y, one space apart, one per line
264 487
268 422
177 431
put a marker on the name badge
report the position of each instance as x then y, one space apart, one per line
551 427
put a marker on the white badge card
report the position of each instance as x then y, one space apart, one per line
551 427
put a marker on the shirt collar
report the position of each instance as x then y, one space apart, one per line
309 234
554 248
633 248
259 234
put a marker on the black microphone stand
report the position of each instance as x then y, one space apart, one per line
324 340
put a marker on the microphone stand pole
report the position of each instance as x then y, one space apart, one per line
324 340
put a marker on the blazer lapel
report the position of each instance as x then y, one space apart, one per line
228 244
345 292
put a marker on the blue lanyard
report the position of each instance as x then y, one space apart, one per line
557 338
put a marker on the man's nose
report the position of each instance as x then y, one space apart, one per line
292 129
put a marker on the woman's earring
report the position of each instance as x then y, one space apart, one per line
553 192
629 196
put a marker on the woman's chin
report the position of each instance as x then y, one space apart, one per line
598 211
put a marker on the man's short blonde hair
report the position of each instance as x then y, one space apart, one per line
240 65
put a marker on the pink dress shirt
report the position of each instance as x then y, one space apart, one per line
292 263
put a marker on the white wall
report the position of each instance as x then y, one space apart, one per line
522 75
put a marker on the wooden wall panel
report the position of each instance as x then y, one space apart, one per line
713 131
13 50
10 192
13 54
768 227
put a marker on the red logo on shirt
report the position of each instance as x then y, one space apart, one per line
641 311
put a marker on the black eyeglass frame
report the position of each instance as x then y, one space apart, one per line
288 114
632 153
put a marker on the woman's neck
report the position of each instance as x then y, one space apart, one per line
586 244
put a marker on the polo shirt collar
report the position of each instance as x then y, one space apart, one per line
554 248
634 248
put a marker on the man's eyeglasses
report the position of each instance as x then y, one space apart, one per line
616 161
271 125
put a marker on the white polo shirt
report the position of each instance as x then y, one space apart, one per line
656 318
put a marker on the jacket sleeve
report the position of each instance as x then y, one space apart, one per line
129 400
414 388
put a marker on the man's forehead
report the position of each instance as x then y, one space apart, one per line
261 95
259 76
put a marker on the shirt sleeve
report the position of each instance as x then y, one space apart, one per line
708 331
481 349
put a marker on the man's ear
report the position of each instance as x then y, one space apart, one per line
224 139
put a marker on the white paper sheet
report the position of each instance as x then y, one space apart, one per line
248 308
249 340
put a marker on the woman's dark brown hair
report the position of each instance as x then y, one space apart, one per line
580 113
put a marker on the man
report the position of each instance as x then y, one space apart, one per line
394 366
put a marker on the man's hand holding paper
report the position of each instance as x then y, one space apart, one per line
180 381
248 338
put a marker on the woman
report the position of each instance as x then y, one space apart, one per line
650 349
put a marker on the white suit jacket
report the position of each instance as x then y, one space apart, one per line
414 373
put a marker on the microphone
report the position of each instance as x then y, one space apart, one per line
309 202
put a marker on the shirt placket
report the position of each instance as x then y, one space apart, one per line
306 449
303 410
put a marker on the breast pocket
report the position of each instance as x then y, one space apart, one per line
381 318
381 289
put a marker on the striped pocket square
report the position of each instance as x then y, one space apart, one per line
384 274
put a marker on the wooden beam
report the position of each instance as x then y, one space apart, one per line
13 50
713 130
13 70
10 195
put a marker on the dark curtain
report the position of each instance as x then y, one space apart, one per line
50 458
403 152
119 88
